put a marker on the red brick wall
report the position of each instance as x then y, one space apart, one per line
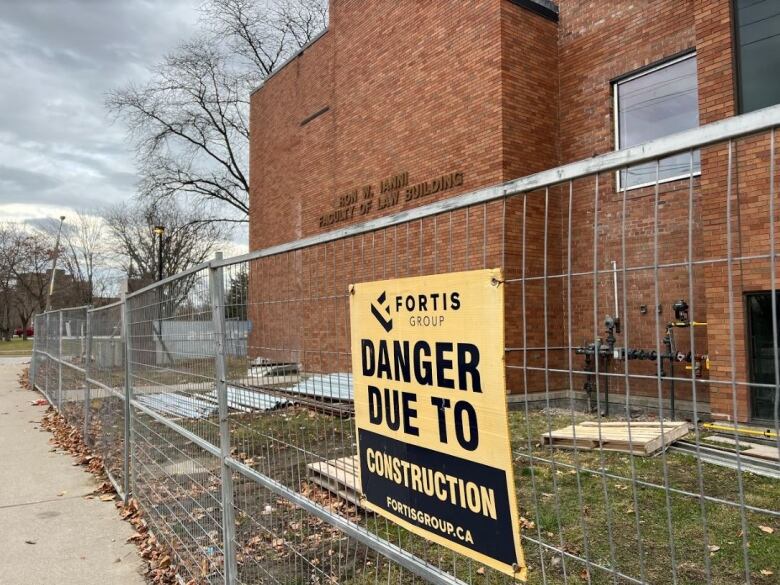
415 87
530 144
598 43
746 240
282 180
592 54
426 88
498 92
717 101
749 203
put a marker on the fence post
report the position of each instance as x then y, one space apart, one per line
126 452
32 361
48 361
217 290
87 361
59 363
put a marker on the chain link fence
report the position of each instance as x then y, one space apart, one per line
222 399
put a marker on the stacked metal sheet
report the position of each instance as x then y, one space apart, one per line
336 386
178 405
247 400
205 405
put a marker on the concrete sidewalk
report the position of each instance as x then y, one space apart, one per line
77 541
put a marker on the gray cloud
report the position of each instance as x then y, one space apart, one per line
58 59
19 181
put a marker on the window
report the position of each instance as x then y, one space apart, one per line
660 101
761 353
758 53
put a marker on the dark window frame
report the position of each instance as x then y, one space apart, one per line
736 59
748 329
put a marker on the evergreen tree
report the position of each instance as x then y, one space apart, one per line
237 295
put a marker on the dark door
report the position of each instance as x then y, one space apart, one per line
761 353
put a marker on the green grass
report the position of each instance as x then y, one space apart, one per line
577 511
610 508
612 503
16 347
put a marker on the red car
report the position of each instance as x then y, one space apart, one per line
30 331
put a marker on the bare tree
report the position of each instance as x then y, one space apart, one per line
7 282
190 122
189 238
190 130
82 255
24 276
265 34
33 274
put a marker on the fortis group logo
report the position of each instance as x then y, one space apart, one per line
379 307
423 309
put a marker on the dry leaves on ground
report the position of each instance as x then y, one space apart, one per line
24 379
160 569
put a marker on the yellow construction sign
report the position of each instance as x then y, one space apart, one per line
431 414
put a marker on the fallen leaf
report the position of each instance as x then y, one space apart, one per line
713 548
766 572
767 529
481 571
106 498
29 542
61 494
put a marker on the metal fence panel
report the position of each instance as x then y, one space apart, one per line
175 428
72 356
106 368
223 397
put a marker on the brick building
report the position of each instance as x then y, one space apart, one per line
399 104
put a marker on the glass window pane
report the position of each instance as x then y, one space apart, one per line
761 353
674 167
758 42
654 105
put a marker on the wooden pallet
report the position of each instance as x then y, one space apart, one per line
646 437
749 448
339 476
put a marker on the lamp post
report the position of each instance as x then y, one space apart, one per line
54 264
159 230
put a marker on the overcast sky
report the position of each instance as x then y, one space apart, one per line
59 150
